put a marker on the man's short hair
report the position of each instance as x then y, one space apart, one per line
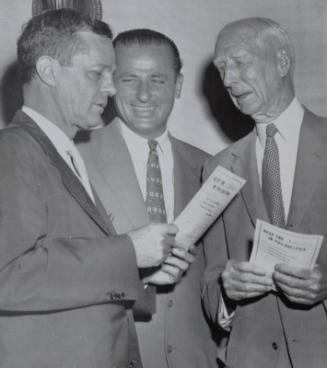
54 33
144 36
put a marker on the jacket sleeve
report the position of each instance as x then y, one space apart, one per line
40 270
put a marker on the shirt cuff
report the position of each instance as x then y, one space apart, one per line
225 318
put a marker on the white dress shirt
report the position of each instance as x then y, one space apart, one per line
139 151
64 146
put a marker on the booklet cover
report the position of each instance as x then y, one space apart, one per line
207 204
272 245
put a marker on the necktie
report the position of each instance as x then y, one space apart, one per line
271 184
155 203
80 169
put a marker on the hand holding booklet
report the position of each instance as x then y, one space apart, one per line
272 245
207 204
203 209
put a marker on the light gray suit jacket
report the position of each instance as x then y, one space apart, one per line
259 325
182 337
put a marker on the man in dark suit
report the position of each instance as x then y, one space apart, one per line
148 79
286 327
67 281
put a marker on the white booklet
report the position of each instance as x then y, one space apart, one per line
272 245
207 204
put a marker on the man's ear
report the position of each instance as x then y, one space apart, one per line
47 69
283 62
179 85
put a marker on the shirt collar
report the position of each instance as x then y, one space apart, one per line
59 139
134 140
288 123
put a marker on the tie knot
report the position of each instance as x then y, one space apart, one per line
271 130
152 145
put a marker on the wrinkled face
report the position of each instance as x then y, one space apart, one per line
248 70
82 87
146 87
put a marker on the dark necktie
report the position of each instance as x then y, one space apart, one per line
154 202
271 184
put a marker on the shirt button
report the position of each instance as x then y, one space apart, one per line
169 349
274 345
170 303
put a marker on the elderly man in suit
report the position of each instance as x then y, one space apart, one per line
67 281
284 160
148 79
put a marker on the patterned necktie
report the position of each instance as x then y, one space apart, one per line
154 202
271 184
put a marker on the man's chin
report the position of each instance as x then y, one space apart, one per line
98 126
95 124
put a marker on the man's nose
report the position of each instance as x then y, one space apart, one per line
230 76
108 85
143 91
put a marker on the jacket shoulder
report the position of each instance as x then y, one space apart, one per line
15 139
316 123
225 157
192 154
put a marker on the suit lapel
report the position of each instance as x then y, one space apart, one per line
245 165
119 180
311 157
69 179
186 178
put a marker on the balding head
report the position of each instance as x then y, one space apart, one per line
255 59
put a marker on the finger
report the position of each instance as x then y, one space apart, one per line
297 272
300 300
289 280
247 287
241 295
166 251
170 239
177 262
297 295
171 229
246 278
182 253
174 272
193 249
246 267
160 278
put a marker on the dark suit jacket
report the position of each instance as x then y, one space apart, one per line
259 325
65 280
180 334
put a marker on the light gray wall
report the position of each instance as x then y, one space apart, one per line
194 24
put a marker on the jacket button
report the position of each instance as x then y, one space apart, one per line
132 363
169 349
170 303
274 345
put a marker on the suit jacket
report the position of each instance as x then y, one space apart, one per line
177 335
259 325
65 280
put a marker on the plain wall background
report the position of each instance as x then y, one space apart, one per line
204 115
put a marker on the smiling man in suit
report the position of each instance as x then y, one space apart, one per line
67 281
136 146
284 160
